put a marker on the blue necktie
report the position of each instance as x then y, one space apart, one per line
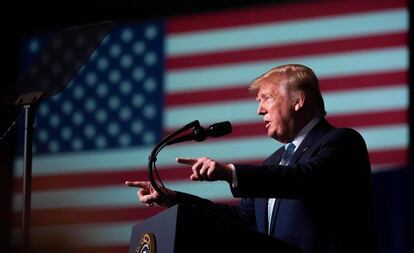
287 155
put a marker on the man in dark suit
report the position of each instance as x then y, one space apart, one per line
314 192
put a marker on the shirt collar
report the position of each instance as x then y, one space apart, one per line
302 134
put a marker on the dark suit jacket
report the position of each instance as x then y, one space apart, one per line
323 197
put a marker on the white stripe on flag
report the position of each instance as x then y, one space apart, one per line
386 137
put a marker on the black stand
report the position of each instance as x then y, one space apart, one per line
29 116
30 102
37 83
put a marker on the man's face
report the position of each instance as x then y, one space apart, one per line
277 111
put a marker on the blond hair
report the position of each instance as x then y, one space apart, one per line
292 77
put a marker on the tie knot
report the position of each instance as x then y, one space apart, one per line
290 146
287 155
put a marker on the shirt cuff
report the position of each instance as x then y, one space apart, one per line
234 182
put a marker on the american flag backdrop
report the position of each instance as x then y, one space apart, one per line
150 78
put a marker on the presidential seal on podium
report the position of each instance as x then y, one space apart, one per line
147 244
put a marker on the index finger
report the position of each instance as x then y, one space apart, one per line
140 184
188 161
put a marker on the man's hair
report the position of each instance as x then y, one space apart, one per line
292 77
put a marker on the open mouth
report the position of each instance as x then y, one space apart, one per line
267 124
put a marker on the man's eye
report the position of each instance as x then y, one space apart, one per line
264 99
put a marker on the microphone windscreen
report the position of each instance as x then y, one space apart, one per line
220 129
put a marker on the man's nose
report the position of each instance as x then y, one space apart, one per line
261 110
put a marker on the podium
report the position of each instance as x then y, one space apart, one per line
190 228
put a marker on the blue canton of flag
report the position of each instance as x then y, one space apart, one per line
114 101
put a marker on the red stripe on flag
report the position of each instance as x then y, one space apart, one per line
364 81
383 157
368 119
239 92
206 96
286 51
275 13
83 179
70 216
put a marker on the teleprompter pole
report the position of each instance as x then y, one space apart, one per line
29 116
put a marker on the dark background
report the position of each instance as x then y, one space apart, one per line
393 192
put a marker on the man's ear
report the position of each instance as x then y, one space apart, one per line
298 100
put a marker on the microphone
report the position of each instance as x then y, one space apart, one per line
200 134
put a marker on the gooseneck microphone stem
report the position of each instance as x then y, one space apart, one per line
198 134
153 158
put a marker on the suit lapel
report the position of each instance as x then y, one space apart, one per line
275 157
309 140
